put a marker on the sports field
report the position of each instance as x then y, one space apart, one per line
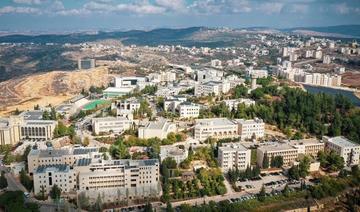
92 105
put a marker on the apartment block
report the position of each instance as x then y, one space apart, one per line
233 155
251 128
212 88
343 147
172 103
126 107
217 128
111 124
288 152
160 129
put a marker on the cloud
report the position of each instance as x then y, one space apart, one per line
271 7
139 8
175 5
29 1
342 8
20 10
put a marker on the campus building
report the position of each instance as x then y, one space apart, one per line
212 88
174 152
343 147
160 129
286 151
233 155
309 147
188 110
45 177
252 128
110 124
232 104
217 128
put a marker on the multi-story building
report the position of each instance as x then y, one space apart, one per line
326 59
134 82
111 124
217 128
126 107
286 151
172 103
256 73
232 104
160 129
212 88
28 125
49 157
188 110
170 151
251 128
45 177
234 155
308 146
343 147
206 75
118 178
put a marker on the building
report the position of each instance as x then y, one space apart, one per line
112 92
343 147
250 72
28 125
206 75
126 108
134 82
212 88
172 103
217 128
232 104
159 129
309 147
118 179
234 156
110 124
252 128
174 152
286 151
50 157
45 177
84 64
216 63
189 110
326 59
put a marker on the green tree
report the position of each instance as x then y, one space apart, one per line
3 181
293 173
55 193
262 194
148 207
304 167
26 180
265 163
169 207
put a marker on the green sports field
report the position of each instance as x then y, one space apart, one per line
92 105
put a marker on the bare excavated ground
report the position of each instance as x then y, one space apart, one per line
351 79
48 88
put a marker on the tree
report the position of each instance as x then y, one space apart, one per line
26 180
83 200
55 193
169 207
293 173
86 141
277 161
304 167
262 194
286 190
148 207
265 163
98 203
3 181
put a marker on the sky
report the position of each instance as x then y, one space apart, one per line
77 15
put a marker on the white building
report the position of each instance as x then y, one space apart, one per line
160 129
206 75
134 82
212 88
343 147
250 128
327 59
309 147
45 177
189 110
286 151
216 63
256 73
126 108
234 155
172 103
110 124
174 152
232 104
217 128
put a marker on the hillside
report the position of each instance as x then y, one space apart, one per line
47 88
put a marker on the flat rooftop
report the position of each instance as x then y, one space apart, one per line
305 141
215 121
343 142
32 115
274 147
57 168
233 146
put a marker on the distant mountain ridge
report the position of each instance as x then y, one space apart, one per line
174 36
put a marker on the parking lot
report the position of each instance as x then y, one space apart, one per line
270 181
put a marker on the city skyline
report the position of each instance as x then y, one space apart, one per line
58 15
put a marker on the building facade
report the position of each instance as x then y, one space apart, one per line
233 156
217 128
159 129
111 124
286 151
347 149
252 128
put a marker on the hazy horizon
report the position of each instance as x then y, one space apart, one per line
86 15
